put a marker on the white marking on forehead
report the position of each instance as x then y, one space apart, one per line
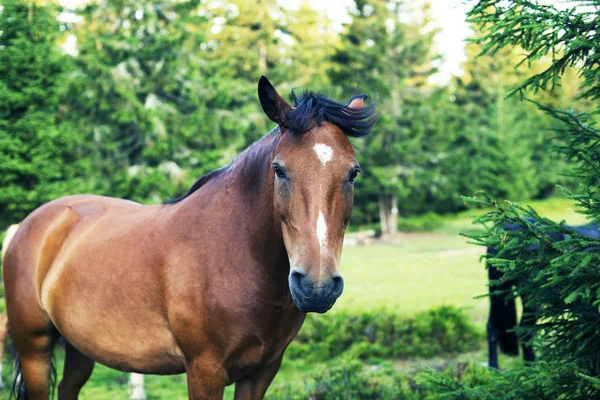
324 152
321 231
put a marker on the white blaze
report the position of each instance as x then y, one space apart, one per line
321 231
324 152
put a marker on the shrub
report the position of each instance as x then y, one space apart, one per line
385 334
345 378
422 223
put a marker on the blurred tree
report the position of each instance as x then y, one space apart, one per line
256 37
385 52
433 144
167 90
502 145
41 156
143 93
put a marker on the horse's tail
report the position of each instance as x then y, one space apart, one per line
503 311
18 391
18 387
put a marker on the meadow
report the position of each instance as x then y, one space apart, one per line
415 272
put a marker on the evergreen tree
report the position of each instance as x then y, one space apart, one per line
142 93
561 279
382 53
41 156
491 124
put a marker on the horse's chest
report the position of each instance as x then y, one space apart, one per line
264 346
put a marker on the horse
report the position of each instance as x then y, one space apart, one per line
215 283
503 311
136 381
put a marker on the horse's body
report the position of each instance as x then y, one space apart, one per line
503 311
215 284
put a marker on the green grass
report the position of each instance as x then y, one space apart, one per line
419 271
423 272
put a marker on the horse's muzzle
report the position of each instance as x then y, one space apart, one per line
311 296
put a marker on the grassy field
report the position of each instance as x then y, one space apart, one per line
418 271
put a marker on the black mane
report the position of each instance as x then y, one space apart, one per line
198 184
312 109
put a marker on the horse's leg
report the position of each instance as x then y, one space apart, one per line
136 387
492 337
76 372
35 354
206 380
255 386
3 336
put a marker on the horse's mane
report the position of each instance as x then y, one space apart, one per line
312 109
198 184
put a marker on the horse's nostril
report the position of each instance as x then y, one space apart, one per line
337 284
297 277
301 283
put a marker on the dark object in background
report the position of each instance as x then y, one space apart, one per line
503 311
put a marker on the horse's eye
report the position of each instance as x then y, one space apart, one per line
279 172
353 175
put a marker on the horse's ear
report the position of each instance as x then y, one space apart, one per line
272 103
357 101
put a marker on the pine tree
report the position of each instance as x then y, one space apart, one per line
492 123
142 94
561 279
41 156
383 54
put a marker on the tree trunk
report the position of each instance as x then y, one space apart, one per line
388 214
383 218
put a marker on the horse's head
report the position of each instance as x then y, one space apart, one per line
314 169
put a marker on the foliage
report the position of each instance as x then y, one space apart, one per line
41 156
560 279
423 223
569 36
542 380
385 334
157 93
344 378
138 93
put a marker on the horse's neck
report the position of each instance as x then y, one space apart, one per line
237 208
243 195
252 178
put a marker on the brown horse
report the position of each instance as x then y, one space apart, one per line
215 284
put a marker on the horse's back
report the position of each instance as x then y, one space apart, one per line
42 233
